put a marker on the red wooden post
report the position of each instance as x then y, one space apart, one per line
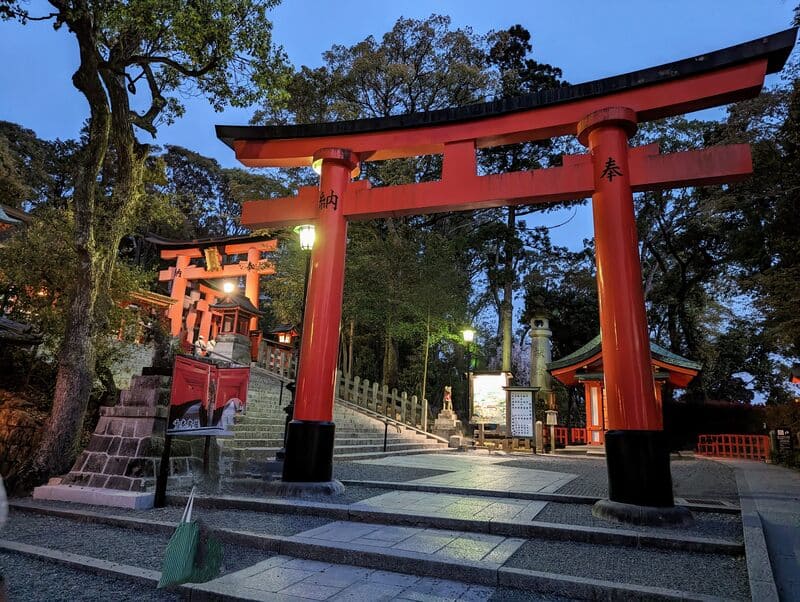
251 282
636 450
178 292
205 321
309 443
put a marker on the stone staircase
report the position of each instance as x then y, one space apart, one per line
259 433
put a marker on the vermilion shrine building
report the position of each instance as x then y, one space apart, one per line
603 114
585 367
197 289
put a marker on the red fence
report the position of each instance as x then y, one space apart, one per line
750 447
565 436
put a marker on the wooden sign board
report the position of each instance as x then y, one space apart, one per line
521 414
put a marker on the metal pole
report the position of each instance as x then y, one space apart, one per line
163 474
385 434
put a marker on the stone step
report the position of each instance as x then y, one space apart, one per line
268 453
267 433
277 441
386 454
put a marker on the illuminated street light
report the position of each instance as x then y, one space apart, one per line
228 287
468 334
307 236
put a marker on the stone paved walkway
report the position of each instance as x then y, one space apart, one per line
284 579
473 471
420 503
775 492
490 550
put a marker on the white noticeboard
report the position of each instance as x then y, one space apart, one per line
521 413
489 398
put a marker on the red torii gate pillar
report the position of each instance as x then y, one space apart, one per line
636 448
311 432
178 292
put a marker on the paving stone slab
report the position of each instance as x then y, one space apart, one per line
473 471
95 496
452 506
284 578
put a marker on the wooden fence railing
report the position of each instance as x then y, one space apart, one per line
278 360
565 436
749 447
371 396
379 399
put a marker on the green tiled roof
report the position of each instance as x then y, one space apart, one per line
594 346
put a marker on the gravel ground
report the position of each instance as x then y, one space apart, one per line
693 479
239 520
720 526
116 544
723 576
375 472
31 580
506 594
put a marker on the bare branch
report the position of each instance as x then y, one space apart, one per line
146 121
163 60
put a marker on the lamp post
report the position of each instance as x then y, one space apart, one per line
307 234
228 287
468 334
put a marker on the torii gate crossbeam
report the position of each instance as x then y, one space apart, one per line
603 114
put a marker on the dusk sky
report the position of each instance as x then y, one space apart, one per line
586 39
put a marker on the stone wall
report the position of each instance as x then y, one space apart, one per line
124 452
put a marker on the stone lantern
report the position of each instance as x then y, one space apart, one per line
233 314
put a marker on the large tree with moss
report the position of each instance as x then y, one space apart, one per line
153 49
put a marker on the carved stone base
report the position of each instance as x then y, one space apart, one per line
235 347
447 424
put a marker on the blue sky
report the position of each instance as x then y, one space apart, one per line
586 38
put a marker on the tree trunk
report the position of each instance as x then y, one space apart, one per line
58 446
389 362
350 349
427 349
506 304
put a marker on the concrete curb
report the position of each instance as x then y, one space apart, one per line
591 589
530 530
195 591
620 537
84 563
519 495
405 562
759 567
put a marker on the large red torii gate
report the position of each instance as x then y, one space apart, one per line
603 114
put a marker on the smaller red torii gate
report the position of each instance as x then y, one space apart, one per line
603 114
213 250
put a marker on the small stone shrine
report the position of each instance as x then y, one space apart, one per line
234 314
119 465
447 423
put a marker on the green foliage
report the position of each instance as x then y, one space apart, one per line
35 172
561 285
36 267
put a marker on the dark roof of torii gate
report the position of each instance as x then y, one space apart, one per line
774 48
170 243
